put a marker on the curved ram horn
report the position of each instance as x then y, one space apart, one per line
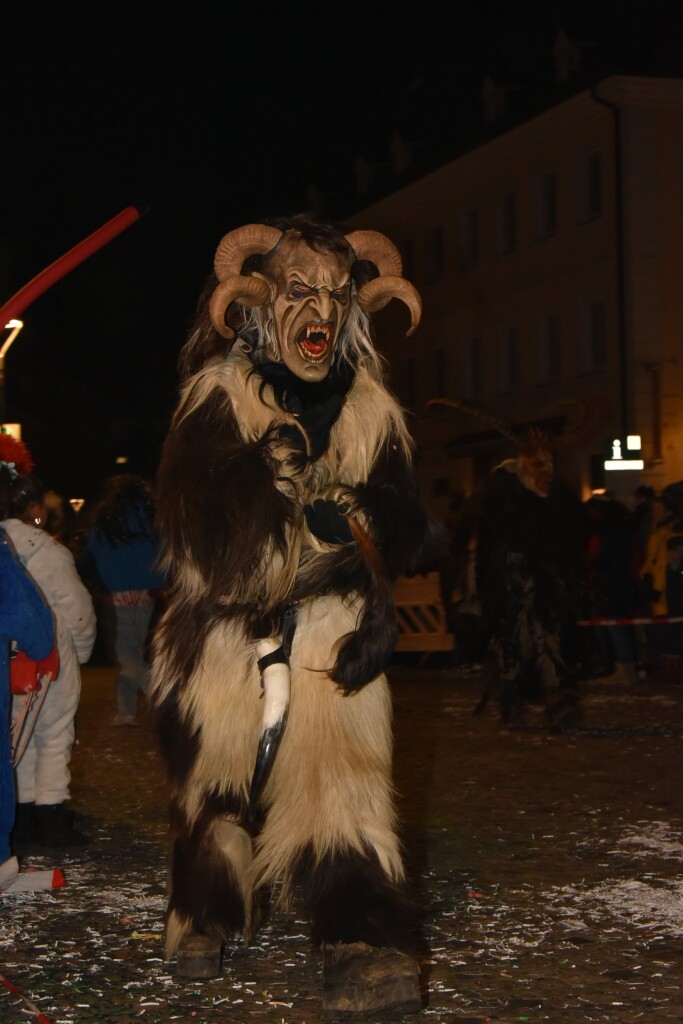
377 293
590 413
380 250
493 421
235 247
250 291
276 683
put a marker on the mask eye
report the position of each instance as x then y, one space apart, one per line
299 291
341 294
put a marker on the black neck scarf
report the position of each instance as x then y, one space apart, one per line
288 387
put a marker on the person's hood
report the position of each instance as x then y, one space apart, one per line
26 540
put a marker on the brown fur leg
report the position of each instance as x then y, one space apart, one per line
211 893
350 899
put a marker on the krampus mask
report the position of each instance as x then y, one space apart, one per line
304 282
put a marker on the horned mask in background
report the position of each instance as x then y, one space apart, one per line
534 463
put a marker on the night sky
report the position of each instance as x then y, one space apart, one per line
212 119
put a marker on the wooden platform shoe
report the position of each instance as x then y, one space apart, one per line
361 980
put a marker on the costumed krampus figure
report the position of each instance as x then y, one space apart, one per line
530 578
287 507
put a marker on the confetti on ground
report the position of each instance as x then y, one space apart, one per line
547 870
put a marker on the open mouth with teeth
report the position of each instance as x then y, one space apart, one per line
314 341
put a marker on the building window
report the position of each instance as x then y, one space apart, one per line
433 260
548 350
506 223
544 206
468 239
593 341
508 361
472 382
589 187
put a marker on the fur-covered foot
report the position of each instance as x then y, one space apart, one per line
361 979
199 956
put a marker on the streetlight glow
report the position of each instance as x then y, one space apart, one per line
13 429
13 326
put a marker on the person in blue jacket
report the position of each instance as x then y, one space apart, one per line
119 557
26 620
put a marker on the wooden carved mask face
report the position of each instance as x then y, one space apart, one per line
310 302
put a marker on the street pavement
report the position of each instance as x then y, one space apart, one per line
547 867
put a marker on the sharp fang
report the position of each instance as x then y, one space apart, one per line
317 329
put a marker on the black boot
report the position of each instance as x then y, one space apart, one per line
25 832
55 828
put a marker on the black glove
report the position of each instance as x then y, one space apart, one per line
327 523
316 422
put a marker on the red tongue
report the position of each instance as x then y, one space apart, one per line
315 346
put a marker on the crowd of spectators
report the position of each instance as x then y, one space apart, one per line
628 593
106 558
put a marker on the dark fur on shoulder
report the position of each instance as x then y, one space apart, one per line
219 499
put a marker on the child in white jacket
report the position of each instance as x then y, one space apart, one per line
43 774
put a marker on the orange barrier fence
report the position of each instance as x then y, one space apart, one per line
421 616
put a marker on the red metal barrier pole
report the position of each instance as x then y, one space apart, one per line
46 278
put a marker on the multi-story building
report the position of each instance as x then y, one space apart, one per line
550 264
